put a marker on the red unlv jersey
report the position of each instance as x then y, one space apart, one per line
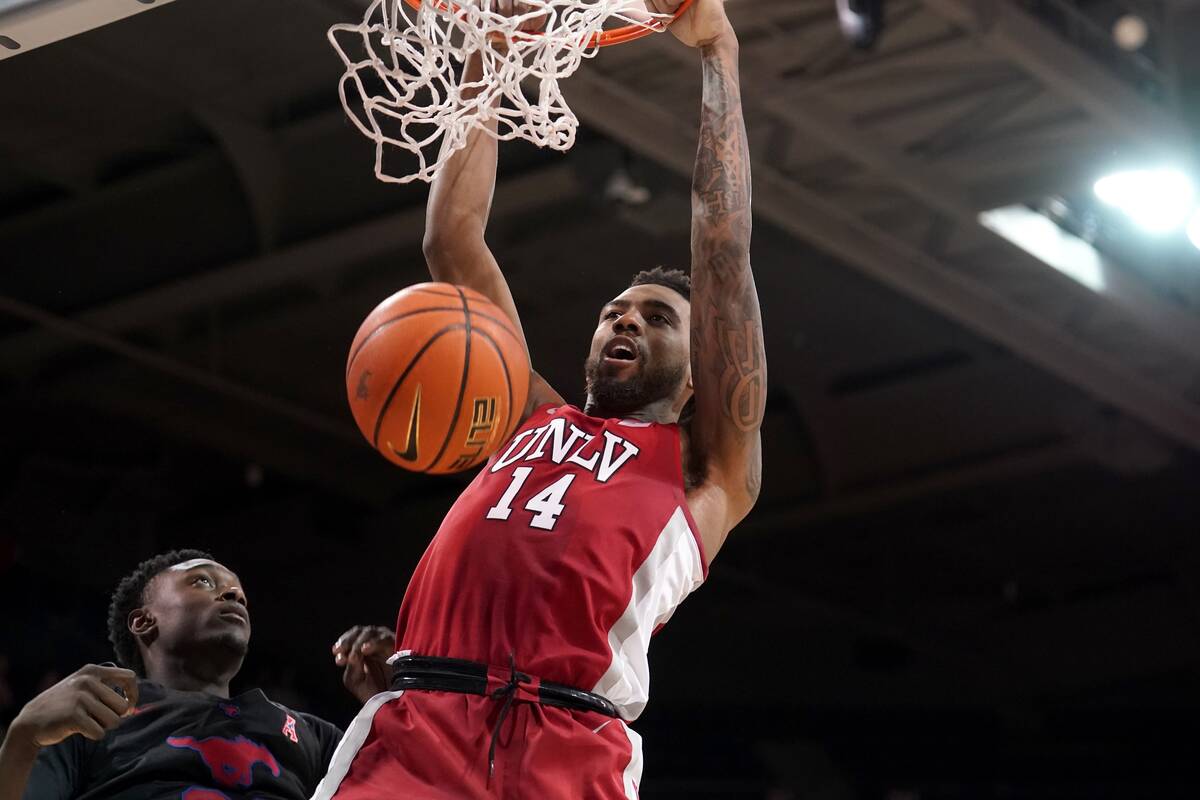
571 546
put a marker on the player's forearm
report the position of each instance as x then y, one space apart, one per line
721 181
17 756
728 357
460 199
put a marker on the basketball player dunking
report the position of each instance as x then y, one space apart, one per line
523 635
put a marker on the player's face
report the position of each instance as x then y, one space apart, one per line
199 606
640 350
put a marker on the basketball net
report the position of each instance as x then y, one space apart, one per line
405 89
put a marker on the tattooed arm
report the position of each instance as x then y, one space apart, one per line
729 370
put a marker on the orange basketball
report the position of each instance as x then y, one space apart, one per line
437 378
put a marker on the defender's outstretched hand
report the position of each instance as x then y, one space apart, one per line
703 24
363 651
85 702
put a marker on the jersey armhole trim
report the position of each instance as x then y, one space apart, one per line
687 513
683 501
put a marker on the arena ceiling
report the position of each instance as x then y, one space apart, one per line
980 482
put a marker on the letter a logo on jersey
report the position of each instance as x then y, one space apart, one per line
414 429
231 761
289 728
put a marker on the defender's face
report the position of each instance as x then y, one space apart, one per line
197 605
641 348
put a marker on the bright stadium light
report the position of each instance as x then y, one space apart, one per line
1130 32
1158 200
1193 230
861 21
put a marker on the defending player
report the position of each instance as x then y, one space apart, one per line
166 727
524 631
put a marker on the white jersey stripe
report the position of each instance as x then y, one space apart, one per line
347 749
670 573
633 771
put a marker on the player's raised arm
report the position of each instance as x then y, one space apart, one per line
729 369
456 218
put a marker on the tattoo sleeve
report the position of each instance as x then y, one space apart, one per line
729 369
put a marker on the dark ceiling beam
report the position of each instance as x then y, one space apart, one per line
1007 30
311 261
60 214
348 468
252 148
937 188
48 169
80 333
306 131
643 125
33 23
1183 57
254 152
1028 183
1122 301
858 502
935 57
933 186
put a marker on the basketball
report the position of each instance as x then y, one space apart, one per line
437 378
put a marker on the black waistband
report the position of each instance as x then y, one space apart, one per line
470 677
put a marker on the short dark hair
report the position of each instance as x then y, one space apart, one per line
675 279
130 595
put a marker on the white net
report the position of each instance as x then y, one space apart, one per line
405 87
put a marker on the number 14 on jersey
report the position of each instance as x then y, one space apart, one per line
545 506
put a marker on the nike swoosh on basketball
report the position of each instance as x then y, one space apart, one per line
410 442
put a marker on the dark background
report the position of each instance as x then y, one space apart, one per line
973 569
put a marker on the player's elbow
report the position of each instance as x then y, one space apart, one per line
741 485
745 494
446 251
439 239
742 502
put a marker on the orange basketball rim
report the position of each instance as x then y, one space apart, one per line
626 33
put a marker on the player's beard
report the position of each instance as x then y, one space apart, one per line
614 395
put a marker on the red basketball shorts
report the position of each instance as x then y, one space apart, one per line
426 745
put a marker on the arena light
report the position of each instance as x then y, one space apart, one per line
1157 200
861 21
1130 32
28 24
1193 230
1042 238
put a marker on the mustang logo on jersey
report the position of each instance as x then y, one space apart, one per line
554 441
231 761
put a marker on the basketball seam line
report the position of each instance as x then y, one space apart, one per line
399 381
422 290
462 386
355 353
